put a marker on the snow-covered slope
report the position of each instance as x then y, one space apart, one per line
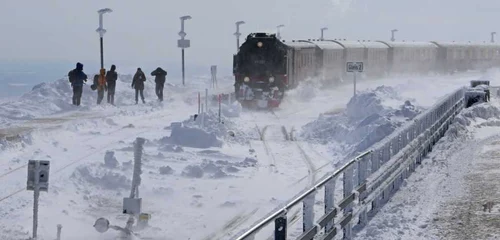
207 191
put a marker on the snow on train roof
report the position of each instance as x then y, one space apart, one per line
409 44
301 44
327 45
350 44
467 44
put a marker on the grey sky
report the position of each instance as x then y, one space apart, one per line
145 31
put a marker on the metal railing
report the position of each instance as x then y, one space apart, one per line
368 180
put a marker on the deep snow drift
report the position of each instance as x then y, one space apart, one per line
368 118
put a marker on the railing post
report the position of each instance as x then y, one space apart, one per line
308 212
348 187
330 201
362 170
280 228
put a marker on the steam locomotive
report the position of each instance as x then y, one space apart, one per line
265 67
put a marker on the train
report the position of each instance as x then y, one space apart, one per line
265 67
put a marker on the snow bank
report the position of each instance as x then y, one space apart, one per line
480 115
216 169
191 137
101 177
368 118
15 141
56 97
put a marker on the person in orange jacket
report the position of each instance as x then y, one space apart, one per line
101 85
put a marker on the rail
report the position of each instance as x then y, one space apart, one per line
369 179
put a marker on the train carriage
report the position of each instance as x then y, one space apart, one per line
330 60
411 57
375 59
454 56
301 61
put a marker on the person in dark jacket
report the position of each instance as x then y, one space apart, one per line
138 85
160 75
111 77
77 77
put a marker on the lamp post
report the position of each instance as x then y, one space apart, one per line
279 27
102 31
238 34
392 33
183 43
493 36
322 30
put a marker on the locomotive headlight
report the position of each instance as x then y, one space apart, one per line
259 44
246 79
271 79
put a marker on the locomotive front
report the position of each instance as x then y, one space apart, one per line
259 68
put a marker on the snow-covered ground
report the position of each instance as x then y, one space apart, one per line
444 198
194 189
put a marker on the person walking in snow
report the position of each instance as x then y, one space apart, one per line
160 75
101 85
77 77
111 77
138 85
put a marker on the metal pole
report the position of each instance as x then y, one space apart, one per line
219 105
392 33
36 196
206 100
183 69
102 53
136 178
59 227
354 83
199 103
322 30
493 37
102 31
237 44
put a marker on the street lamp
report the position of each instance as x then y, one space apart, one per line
102 31
493 36
322 30
238 34
279 27
392 33
183 43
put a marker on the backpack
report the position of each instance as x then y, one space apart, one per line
71 76
95 83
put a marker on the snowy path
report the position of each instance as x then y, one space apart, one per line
462 217
443 199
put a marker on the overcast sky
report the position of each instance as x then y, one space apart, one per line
145 31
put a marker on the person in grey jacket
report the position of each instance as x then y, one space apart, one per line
138 85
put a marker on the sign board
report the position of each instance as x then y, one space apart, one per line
354 66
43 175
183 43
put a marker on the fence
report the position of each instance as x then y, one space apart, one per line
368 180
